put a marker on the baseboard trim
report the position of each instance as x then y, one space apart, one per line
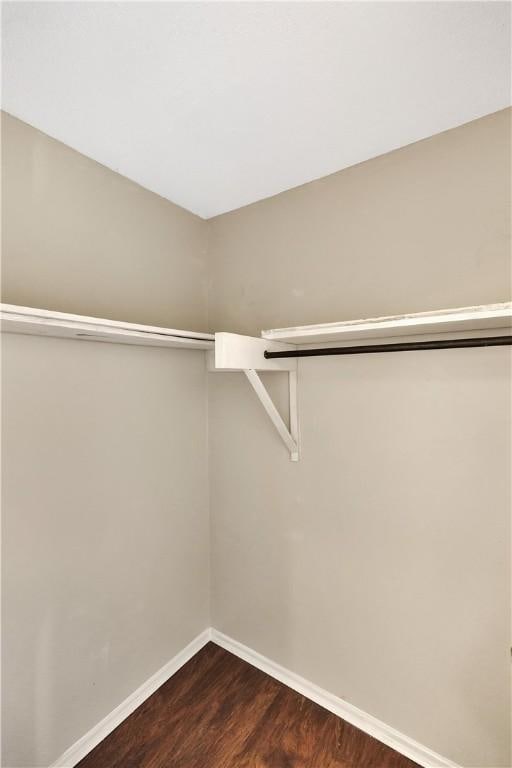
92 738
367 723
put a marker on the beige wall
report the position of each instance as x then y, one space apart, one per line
105 490
79 238
378 566
425 227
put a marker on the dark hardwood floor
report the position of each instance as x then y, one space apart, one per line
220 712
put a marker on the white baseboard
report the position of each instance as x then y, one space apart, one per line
367 723
92 738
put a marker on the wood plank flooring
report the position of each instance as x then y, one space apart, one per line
220 712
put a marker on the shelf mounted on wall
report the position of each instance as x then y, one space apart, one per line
279 349
44 322
234 352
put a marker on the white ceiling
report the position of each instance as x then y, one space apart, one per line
215 105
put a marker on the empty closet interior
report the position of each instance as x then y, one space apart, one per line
281 427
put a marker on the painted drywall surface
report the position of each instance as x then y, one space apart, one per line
230 103
105 490
105 530
425 227
79 238
378 566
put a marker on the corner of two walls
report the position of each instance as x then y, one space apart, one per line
367 567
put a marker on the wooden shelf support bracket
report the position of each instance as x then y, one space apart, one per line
234 352
288 436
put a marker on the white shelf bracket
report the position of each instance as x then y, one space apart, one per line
288 436
246 354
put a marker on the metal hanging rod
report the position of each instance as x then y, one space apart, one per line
408 346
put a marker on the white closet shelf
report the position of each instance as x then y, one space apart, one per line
489 316
42 322
279 349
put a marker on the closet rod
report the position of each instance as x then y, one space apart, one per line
408 346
